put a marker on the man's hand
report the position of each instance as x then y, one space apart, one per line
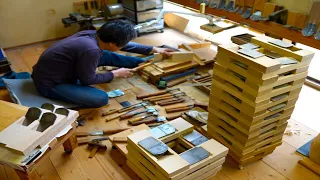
123 72
164 51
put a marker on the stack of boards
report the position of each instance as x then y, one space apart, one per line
188 56
187 154
254 90
37 128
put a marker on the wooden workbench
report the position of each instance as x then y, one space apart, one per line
282 164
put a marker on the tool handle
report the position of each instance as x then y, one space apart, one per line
171 102
126 109
119 139
153 97
172 117
81 134
113 131
158 99
144 121
152 94
170 84
201 105
143 66
127 116
177 109
135 119
115 117
166 100
109 112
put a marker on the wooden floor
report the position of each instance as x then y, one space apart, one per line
282 164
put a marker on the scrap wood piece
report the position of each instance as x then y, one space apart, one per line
259 5
268 9
196 58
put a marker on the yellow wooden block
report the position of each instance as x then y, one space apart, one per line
237 148
245 107
137 171
272 127
268 9
247 122
291 18
294 52
169 165
263 64
217 151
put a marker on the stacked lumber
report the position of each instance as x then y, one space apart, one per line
252 98
173 164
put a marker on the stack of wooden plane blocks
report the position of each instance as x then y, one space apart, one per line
252 99
175 163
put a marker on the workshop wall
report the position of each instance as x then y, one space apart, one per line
31 21
301 6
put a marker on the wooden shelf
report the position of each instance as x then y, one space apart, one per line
266 27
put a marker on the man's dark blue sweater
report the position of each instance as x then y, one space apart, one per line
77 57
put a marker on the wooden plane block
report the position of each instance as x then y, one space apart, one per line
169 165
238 149
144 165
263 64
294 52
217 153
254 91
266 148
257 78
217 157
259 5
271 128
301 20
234 112
24 139
242 107
207 171
253 100
247 123
137 170
121 146
247 139
291 18
268 9
254 156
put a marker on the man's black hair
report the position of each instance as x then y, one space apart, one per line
119 32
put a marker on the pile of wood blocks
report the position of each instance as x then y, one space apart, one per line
188 57
174 151
254 90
